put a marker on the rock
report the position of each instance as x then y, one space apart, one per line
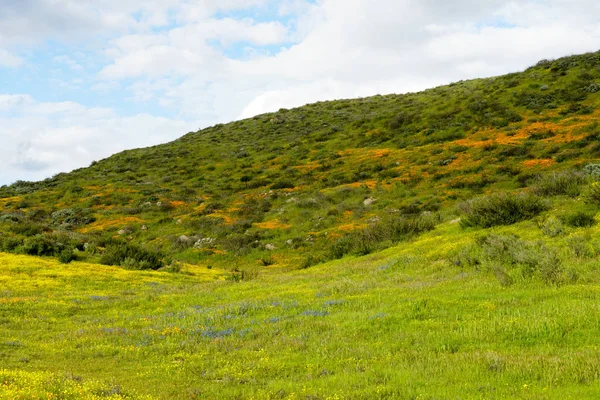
184 239
270 247
369 201
179 221
122 232
144 228
147 204
289 242
455 221
158 204
544 88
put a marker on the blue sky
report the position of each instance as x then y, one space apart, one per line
82 80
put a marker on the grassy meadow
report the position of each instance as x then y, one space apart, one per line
406 323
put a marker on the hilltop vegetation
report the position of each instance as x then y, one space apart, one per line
296 187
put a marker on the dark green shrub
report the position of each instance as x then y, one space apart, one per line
390 230
579 219
66 256
500 209
39 246
10 243
27 228
283 185
131 257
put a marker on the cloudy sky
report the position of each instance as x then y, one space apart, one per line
81 80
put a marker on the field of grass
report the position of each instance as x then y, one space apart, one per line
415 321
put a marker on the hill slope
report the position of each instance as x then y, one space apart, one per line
300 186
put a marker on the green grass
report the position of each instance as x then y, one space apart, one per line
404 323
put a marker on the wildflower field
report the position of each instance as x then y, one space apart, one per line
412 322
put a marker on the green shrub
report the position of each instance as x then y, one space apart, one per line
500 209
283 185
579 219
66 256
72 217
27 228
567 183
592 194
390 229
131 257
552 227
39 246
509 258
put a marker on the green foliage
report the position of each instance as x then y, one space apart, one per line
568 183
389 229
580 219
552 227
66 256
500 209
131 257
509 258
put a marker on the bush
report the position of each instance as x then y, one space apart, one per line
552 227
391 229
66 256
131 257
283 185
579 219
39 246
592 194
500 209
27 228
70 217
559 183
509 257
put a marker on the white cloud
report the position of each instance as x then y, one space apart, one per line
42 139
10 60
170 52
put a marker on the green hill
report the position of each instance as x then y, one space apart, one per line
297 187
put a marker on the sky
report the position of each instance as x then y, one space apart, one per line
81 80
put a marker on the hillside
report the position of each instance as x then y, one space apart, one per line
437 245
298 187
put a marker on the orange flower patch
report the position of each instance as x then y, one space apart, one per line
311 166
177 203
538 163
348 214
350 227
272 224
105 224
225 217
370 184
